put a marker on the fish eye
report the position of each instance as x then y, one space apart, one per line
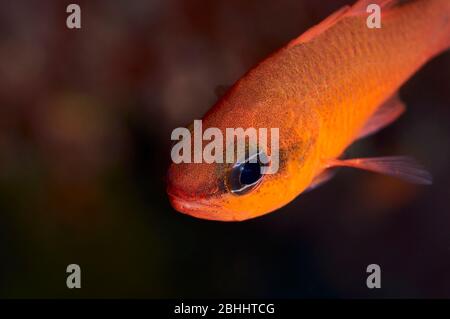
245 176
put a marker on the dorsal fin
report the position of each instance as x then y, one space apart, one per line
319 28
359 8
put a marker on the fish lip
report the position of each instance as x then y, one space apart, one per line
180 196
188 205
199 208
192 200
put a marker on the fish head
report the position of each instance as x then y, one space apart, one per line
253 185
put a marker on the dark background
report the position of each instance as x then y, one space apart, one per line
85 123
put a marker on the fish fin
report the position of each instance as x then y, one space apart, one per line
402 167
386 114
445 45
442 38
359 8
220 90
319 28
321 179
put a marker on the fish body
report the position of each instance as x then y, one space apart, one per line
321 90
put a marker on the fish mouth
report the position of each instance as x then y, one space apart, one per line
189 206
200 208
186 205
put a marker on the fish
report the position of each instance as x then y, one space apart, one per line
333 85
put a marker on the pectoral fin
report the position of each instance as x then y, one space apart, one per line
386 114
321 179
401 167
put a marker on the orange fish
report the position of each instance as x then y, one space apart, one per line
334 84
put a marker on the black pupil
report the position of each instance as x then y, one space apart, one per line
250 173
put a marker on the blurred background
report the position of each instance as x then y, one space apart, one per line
85 123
